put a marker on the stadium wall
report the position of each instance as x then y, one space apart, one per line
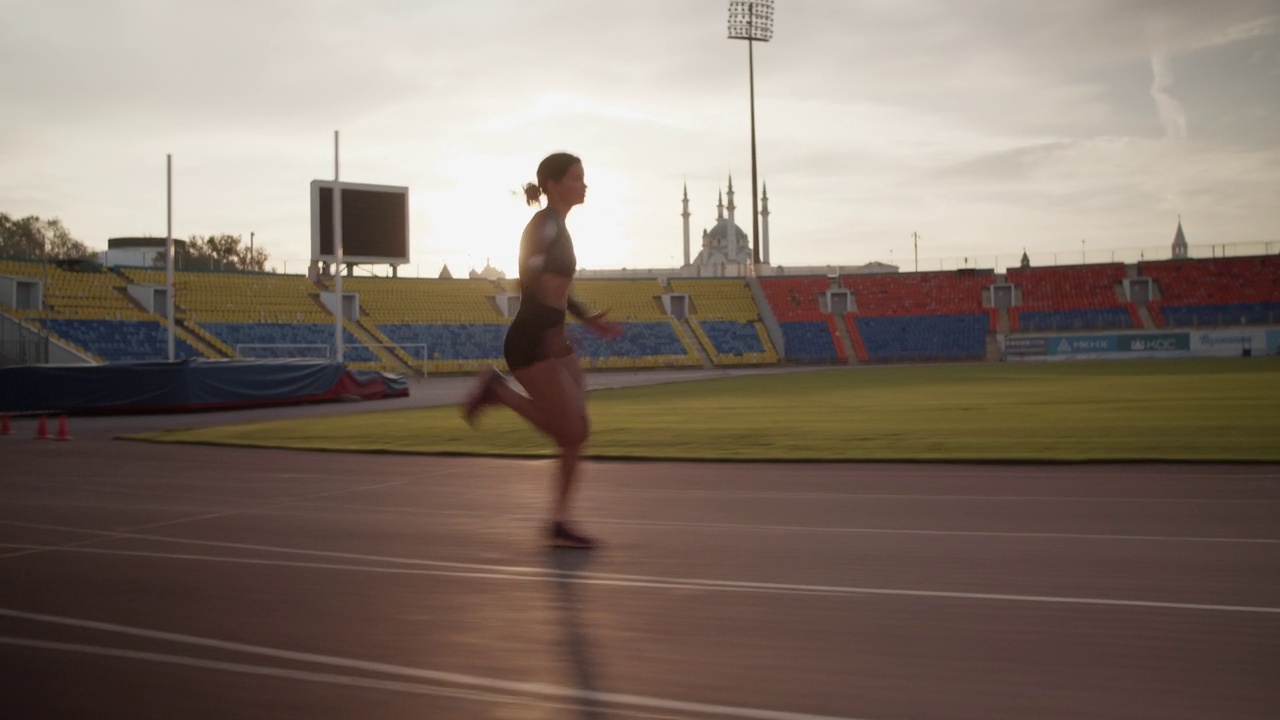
1238 342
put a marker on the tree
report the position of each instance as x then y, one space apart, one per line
219 252
31 237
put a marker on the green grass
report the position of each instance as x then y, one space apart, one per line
1204 410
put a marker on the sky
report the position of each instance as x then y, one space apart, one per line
1078 130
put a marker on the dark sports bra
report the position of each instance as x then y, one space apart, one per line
545 247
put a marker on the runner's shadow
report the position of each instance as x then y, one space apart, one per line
570 604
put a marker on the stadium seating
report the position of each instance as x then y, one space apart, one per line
730 337
650 338
1221 291
450 347
918 316
626 300
1072 320
240 297
91 294
90 310
463 329
1070 298
260 315
287 340
795 298
120 340
1069 287
807 335
726 321
718 299
809 341
855 338
894 317
924 337
426 301
916 294
1217 315
642 345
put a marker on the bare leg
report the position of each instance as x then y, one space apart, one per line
492 389
554 391
569 455
568 473
522 405
556 406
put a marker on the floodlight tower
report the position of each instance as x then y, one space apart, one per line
752 20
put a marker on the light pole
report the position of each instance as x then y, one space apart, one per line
752 20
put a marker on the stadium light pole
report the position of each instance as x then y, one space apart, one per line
44 300
752 20
168 251
337 251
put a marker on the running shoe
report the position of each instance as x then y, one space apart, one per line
485 393
562 537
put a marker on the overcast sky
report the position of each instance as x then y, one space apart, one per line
986 126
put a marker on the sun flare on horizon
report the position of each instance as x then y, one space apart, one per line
479 217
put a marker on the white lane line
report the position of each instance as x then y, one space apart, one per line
491 684
211 516
104 506
961 533
815 495
347 680
604 520
667 583
268 506
942 471
112 535
347 510
54 486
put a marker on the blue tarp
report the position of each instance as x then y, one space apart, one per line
185 385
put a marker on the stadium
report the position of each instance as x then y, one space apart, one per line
296 486
90 314
1043 487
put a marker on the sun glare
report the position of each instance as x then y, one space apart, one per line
479 214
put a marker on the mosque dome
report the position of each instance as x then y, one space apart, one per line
720 232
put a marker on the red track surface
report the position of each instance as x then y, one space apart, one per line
149 581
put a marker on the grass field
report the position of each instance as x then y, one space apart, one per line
1220 410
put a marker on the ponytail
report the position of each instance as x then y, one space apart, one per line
532 194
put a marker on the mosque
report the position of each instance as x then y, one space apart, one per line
726 248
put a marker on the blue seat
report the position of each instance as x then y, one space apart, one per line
639 339
1264 313
731 337
924 337
121 340
808 341
308 340
1055 320
449 341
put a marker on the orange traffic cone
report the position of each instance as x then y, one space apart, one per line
62 429
4 425
42 430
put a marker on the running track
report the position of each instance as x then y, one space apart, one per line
150 581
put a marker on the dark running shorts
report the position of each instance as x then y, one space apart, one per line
536 334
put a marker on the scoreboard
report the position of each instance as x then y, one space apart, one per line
375 223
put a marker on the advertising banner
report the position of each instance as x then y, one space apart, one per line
1228 343
1026 346
1081 344
1154 342
1216 342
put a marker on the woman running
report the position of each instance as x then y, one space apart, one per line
536 348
